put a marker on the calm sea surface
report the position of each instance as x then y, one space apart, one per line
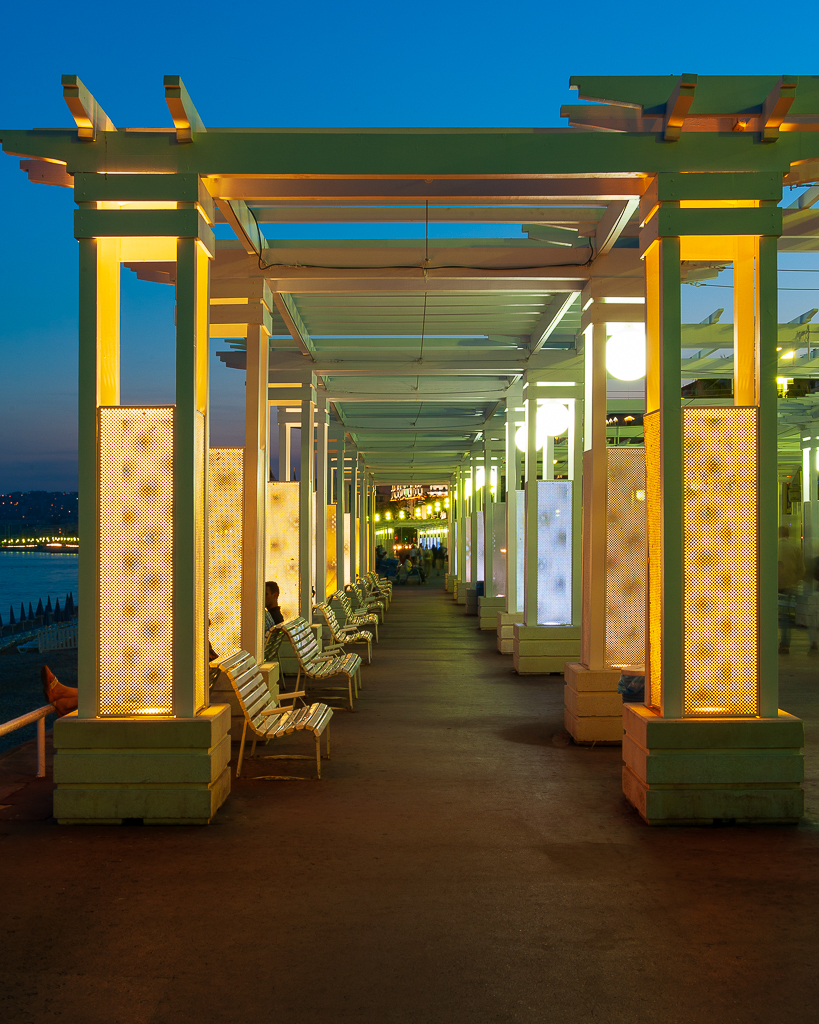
35 575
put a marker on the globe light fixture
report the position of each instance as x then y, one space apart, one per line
626 351
553 419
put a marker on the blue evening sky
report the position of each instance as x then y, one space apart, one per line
309 64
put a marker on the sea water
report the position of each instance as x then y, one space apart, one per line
31 576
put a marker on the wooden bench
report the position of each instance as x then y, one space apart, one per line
370 605
355 618
268 718
318 666
378 586
341 635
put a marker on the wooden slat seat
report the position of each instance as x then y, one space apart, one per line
359 619
267 717
321 665
345 634
378 586
372 605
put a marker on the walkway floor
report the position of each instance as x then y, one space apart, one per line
453 866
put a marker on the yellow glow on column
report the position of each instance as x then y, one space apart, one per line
282 555
654 539
332 574
225 478
626 558
200 657
720 455
136 466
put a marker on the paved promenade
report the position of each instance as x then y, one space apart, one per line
453 866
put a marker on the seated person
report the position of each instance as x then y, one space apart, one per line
64 698
418 570
272 613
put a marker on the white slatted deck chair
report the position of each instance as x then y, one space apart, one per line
317 666
372 605
345 634
377 587
362 620
268 718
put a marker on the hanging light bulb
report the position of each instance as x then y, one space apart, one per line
626 351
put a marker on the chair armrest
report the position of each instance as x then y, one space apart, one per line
288 694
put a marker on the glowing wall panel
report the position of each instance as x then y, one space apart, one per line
200 658
332 585
467 528
225 481
520 561
654 544
554 552
481 549
282 543
626 557
721 521
498 512
346 567
136 474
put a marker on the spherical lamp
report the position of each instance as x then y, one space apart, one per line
626 351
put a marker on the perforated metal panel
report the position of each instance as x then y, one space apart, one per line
585 543
200 623
136 587
225 481
520 561
654 538
554 552
498 512
626 557
467 527
721 502
481 564
332 554
282 555
346 573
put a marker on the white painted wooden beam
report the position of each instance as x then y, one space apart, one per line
611 226
550 320
186 119
88 114
286 306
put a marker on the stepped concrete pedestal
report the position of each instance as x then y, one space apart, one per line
448 582
688 771
544 649
472 598
459 591
163 771
488 608
506 630
593 711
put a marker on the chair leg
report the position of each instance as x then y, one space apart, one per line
318 755
253 747
369 652
241 750
327 730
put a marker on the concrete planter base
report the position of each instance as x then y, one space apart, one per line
594 709
544 649
488 608
697 771
505 628
171 771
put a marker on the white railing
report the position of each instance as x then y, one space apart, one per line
38 716
59 636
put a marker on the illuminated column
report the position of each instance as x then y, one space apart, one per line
321 499
612 636
476 530
353 515
810 492
306 500
341 509
549 635
710 743
363 487
513 610
145 744
494 535
256 473
285 448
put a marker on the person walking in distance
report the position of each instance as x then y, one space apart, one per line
791 573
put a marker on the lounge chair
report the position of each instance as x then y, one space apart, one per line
268 718
317 665
362 620
345 634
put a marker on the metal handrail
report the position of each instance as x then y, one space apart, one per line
38 716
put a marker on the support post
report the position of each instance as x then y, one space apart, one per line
254 484
306 476
321 499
